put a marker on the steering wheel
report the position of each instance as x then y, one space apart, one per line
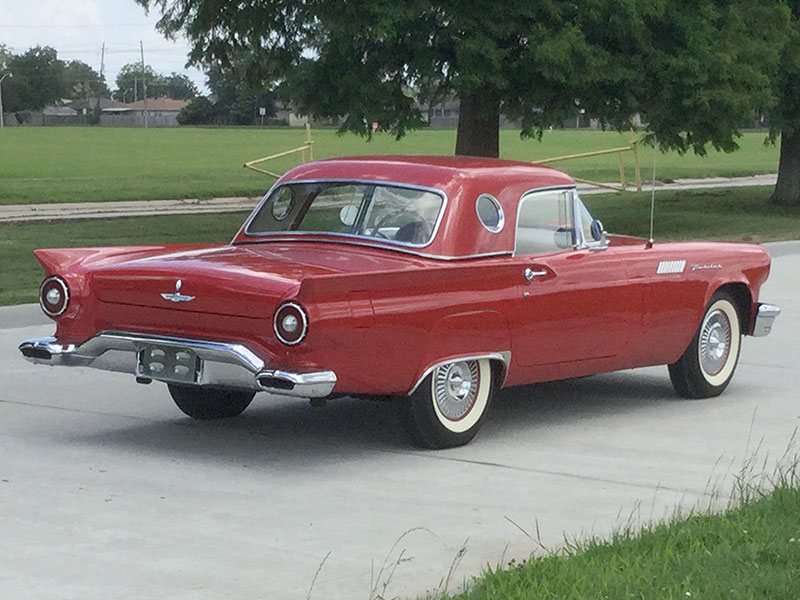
414 232
376 230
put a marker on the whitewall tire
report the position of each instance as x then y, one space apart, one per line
449 406
708 364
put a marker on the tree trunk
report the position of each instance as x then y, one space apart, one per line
787 189
479 125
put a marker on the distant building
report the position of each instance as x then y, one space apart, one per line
161 112
288 114
85 107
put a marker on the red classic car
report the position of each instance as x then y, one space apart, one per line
430 279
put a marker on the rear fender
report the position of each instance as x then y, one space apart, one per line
63 260
468 335
73 265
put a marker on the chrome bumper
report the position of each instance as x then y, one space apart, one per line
765 315
225 365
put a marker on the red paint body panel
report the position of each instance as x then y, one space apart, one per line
380 315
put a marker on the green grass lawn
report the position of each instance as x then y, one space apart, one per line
74 164
729 214
733 214
752 551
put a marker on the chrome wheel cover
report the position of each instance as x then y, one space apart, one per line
715 342
455 387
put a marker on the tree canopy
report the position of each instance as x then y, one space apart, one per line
238 96
81 81
130 86
784 114
695 70
38 80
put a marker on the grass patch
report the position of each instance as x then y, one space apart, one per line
82 164
729 214
752 551
732 214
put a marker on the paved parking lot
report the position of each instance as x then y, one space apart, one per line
108 491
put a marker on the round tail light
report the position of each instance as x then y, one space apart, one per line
54 296
290 323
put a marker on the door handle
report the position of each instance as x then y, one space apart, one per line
530 273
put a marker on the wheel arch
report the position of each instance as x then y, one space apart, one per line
498 361
469 335
743 300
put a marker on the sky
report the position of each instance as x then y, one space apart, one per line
77 29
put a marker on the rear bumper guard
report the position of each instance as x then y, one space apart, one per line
765 316
311 384
223 364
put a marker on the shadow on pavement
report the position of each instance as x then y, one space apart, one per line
291 434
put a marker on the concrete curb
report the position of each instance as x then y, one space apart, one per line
15 213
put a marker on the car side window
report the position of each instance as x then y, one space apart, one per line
545 223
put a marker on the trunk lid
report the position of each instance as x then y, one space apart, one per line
239 280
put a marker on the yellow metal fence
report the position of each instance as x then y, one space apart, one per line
306 152
623 184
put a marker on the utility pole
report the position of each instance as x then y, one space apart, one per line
9 74
144 84
98 109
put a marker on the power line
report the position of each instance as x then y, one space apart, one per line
62 51
82 26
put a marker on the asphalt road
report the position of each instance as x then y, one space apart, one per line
107 491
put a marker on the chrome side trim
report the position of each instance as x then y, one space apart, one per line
311 384
504 356
224 364
376 182
765 316
352 242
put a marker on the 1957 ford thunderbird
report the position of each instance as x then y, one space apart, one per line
430 279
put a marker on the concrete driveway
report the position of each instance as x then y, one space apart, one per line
107 491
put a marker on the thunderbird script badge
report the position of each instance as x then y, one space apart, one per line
177 296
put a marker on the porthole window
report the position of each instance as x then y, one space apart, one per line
282 204
490 213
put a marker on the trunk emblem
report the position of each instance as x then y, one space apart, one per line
177 296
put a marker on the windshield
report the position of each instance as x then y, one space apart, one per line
385 212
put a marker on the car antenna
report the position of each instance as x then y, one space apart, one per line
652 200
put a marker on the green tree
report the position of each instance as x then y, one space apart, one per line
697 70
132 80
200 111
38 80
238 94
180 87
81 81
784 115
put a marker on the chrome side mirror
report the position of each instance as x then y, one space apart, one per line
598 235
597 230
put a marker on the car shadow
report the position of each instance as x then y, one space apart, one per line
598 396
289 433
